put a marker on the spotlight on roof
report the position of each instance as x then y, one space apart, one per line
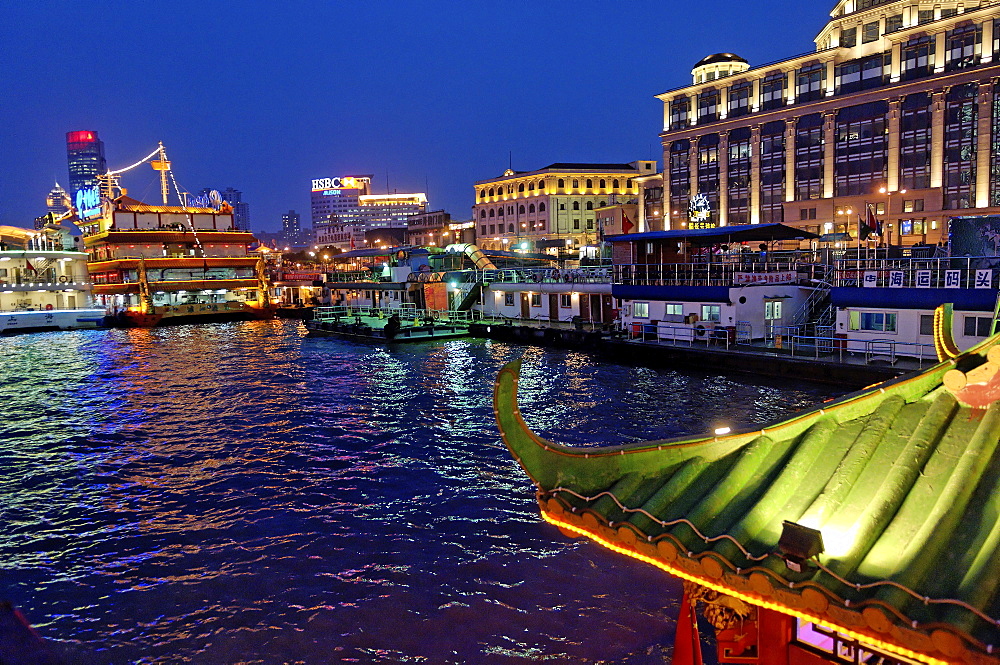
798 544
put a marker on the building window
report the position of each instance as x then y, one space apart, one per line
576 184
862 74
602 184
739 99
869 32
739 176
711 312
708 106
541 184
772 91
536 299
482 193
873 321
915 142
708 172
590 183
576 205
960 47
679 110
531 208
520 209
576 224
913 205
565 300
614 184
508 299
916 57
849 37
861 148
809 157
961 120
809 82
893 23
482 214
925 16
679 173
772 172
483 230
510 228
640 310
561 184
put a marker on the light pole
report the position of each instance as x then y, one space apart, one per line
888 206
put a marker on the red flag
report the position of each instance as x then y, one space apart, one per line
352 242
687 644
626 224
871 220
30 267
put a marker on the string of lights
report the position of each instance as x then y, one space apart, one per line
140 162
858 587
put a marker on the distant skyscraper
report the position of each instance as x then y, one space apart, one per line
85 153
241 209
58 201
290 223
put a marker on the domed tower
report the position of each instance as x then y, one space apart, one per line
718 65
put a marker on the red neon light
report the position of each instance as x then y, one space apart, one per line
81 137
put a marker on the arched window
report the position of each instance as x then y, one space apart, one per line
492 214
482 193
576 184
500 211
561 184
510 229
520 209
531 208
531 186
510 210
603 183
590 205
491 191
541 184
576 205
541 207
628 183
590 183
603 204
482 214
614 183
520 187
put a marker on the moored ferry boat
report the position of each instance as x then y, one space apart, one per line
43 282
165 264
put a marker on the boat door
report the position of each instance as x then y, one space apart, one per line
607 310
773 322
585 307
553 307
525 306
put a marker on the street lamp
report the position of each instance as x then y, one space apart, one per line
888 207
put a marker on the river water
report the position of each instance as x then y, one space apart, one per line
240 493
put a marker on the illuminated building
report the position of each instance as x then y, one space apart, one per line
85 153
552 207
894 108
436 228
336 199
58 201
371 212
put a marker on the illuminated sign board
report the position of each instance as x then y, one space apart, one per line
88 202
210 200
345 182
699 209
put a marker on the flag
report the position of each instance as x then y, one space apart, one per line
687 643
352 241
626 224
871 220
864 230
30 267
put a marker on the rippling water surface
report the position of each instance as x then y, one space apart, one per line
241 493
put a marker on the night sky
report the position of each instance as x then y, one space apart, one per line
265 96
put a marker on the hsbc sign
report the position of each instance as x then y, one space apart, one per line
344 182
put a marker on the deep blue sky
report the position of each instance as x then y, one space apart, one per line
264 96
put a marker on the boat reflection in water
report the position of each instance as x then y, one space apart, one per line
240 492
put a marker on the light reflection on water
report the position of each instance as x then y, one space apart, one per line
239 493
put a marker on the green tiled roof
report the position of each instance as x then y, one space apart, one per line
902 480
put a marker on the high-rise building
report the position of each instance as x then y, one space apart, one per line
85 153
241 209
335 200
290 224
58 202
895 111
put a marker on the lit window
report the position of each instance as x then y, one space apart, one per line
640 310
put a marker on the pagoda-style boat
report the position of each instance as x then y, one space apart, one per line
864 530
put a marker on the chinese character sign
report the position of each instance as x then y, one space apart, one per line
984 279
923 279
870 278
952 279
896 279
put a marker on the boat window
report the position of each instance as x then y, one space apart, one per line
711 312
640 310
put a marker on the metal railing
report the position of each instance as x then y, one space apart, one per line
406 311
584 275
720 273
941 272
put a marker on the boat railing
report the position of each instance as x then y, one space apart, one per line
958 272
872 350
691 335
721 274
582 275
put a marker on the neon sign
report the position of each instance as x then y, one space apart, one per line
345 182
88 202
210 200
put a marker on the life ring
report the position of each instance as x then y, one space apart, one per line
699 330
63 279
48 308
